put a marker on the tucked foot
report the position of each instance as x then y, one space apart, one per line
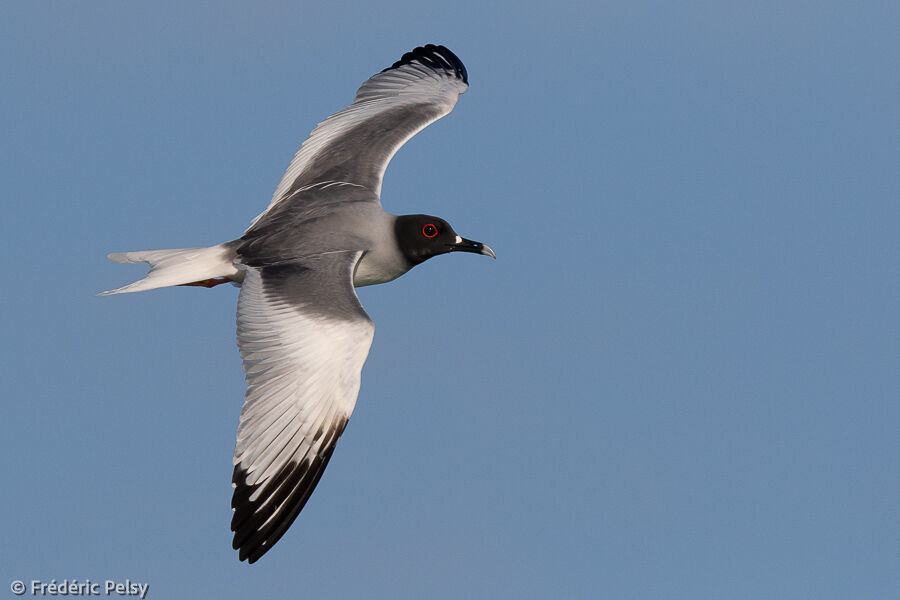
208 283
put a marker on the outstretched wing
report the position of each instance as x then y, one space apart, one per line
355 145
303 337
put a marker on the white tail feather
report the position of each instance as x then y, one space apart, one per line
177 266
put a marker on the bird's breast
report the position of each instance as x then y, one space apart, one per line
379 266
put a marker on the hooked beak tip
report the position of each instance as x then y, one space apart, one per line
464 245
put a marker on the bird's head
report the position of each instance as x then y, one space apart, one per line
422 236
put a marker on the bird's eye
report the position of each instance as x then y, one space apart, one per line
430 230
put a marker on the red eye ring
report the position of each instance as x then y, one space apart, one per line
429 230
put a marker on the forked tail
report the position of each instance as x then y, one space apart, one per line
178 266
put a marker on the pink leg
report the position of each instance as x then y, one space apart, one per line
208 283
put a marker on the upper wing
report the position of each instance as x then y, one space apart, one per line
355 145
303 353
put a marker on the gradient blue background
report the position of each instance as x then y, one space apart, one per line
679 379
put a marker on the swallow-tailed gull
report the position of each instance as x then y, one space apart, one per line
302 333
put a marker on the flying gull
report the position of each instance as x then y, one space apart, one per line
302 333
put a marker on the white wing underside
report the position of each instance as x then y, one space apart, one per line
303 377
303 338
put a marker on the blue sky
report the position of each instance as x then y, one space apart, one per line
678 380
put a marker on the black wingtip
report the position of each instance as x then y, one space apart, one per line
259 524
436 57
